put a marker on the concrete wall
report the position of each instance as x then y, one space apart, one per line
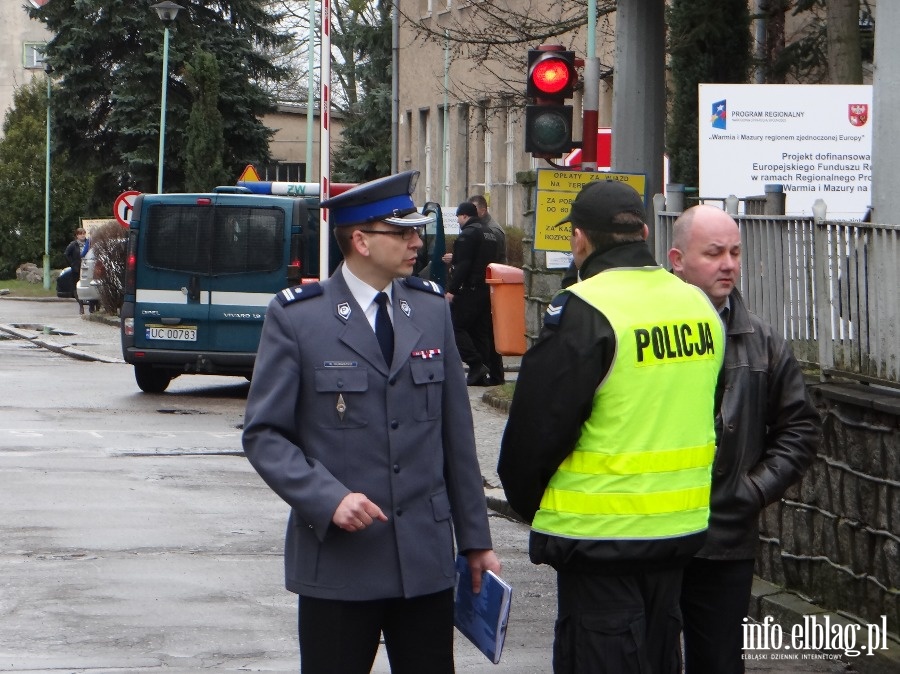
835 537
16 29
288 145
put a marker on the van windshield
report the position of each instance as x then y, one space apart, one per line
221 240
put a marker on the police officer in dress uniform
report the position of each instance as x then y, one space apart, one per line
359 418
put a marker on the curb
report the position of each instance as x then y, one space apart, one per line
788 610
56 347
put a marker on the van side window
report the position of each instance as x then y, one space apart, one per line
247 240
223 240
178 238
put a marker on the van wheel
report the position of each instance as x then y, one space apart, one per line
151 380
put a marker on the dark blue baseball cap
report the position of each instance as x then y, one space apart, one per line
387 199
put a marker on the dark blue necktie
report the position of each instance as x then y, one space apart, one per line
384 331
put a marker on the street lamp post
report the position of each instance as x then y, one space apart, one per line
48 69
167 11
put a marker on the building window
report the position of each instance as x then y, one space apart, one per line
34 55
425 153
408 139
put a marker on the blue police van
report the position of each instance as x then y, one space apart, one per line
200 272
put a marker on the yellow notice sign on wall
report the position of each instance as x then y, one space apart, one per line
556 190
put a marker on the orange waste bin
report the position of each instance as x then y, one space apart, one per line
507 286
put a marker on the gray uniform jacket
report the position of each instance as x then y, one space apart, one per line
325 418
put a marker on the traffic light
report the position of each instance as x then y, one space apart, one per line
548 121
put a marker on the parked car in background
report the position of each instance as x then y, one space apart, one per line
65 284
87 290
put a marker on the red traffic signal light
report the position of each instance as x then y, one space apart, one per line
548 121
551 74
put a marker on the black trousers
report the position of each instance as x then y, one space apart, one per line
471 313
715 598
341 637
625 624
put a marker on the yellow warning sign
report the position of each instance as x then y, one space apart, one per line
556 190
249 175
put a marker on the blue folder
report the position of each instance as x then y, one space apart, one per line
482 618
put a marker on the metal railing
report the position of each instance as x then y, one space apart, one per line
831 287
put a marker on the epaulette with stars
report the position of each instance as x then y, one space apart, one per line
297 293
554 312
417 283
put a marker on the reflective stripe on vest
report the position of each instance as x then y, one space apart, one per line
641 466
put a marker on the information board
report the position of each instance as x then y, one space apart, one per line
556 190
813 139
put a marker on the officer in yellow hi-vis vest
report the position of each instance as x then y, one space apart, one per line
610 441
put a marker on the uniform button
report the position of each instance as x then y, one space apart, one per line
340 383
392 381
395 424
396 468
431 376
399 512
730 427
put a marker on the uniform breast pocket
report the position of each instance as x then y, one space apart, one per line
339 397
428 376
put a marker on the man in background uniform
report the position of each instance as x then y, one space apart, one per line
358 417
495 360
610 439
468 293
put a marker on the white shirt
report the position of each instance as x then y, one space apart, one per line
364 294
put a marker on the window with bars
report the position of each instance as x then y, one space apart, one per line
225 240
33 56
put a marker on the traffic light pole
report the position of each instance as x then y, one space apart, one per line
591 97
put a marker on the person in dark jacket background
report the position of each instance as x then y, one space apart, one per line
768 431
468 294
495 360
606 453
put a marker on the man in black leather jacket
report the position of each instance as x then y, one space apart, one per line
767 429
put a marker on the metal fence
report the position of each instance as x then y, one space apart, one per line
832 288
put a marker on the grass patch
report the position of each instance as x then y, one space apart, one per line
24 289
504 391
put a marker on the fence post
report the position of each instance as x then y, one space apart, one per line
825 327
731 204
775 199
674 197
661 234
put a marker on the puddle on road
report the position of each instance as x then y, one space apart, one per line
44 329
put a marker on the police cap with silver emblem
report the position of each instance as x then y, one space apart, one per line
387 199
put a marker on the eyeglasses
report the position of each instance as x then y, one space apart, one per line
406 233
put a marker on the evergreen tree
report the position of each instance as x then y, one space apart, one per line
108 56
23 184
709 42
365 149
205 142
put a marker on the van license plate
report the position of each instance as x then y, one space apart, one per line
183 333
